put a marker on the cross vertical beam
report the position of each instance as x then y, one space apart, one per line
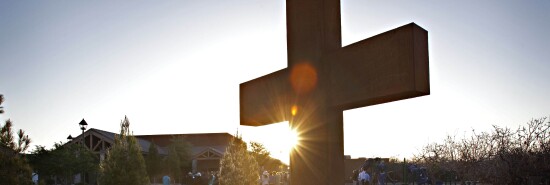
313 29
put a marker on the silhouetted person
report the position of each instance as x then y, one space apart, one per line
166 180
265 178
380 171
354 177
364 177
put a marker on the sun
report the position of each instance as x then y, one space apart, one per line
280 136
279 139
291 138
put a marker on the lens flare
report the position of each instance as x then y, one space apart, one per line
303 78
294 110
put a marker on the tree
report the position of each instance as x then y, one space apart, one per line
6 134
6 138
173 163
260 153
41 163
238 166
1 101
63 162
153 161
183 150
14 168
179 158
124 163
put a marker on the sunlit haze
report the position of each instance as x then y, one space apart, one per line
175 67
279 138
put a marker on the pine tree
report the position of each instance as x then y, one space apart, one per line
153 161
183 150
14 168
238 166
7 139
178 159
6 134
173 163
124 163
1 100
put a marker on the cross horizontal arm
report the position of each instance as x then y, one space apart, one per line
387 67
264 100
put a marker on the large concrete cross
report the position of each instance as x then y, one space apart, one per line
323 79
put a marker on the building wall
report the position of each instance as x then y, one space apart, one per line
204 166
206 139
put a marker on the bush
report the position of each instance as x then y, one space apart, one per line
504 156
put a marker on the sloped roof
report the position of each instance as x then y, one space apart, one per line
110 137
107 134
220 149
200 142
144 144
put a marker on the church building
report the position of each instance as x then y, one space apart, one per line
206 152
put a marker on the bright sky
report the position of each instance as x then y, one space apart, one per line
175 67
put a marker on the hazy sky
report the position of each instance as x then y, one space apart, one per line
176 66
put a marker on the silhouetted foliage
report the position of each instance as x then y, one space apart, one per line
183 150
504 156
63 162
179 159
260 153
124 163
14 168
7 139
238 166
265 162
173 163
1 101
154 162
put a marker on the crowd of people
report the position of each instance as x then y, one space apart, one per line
275 178
210 178
372 172
377 168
